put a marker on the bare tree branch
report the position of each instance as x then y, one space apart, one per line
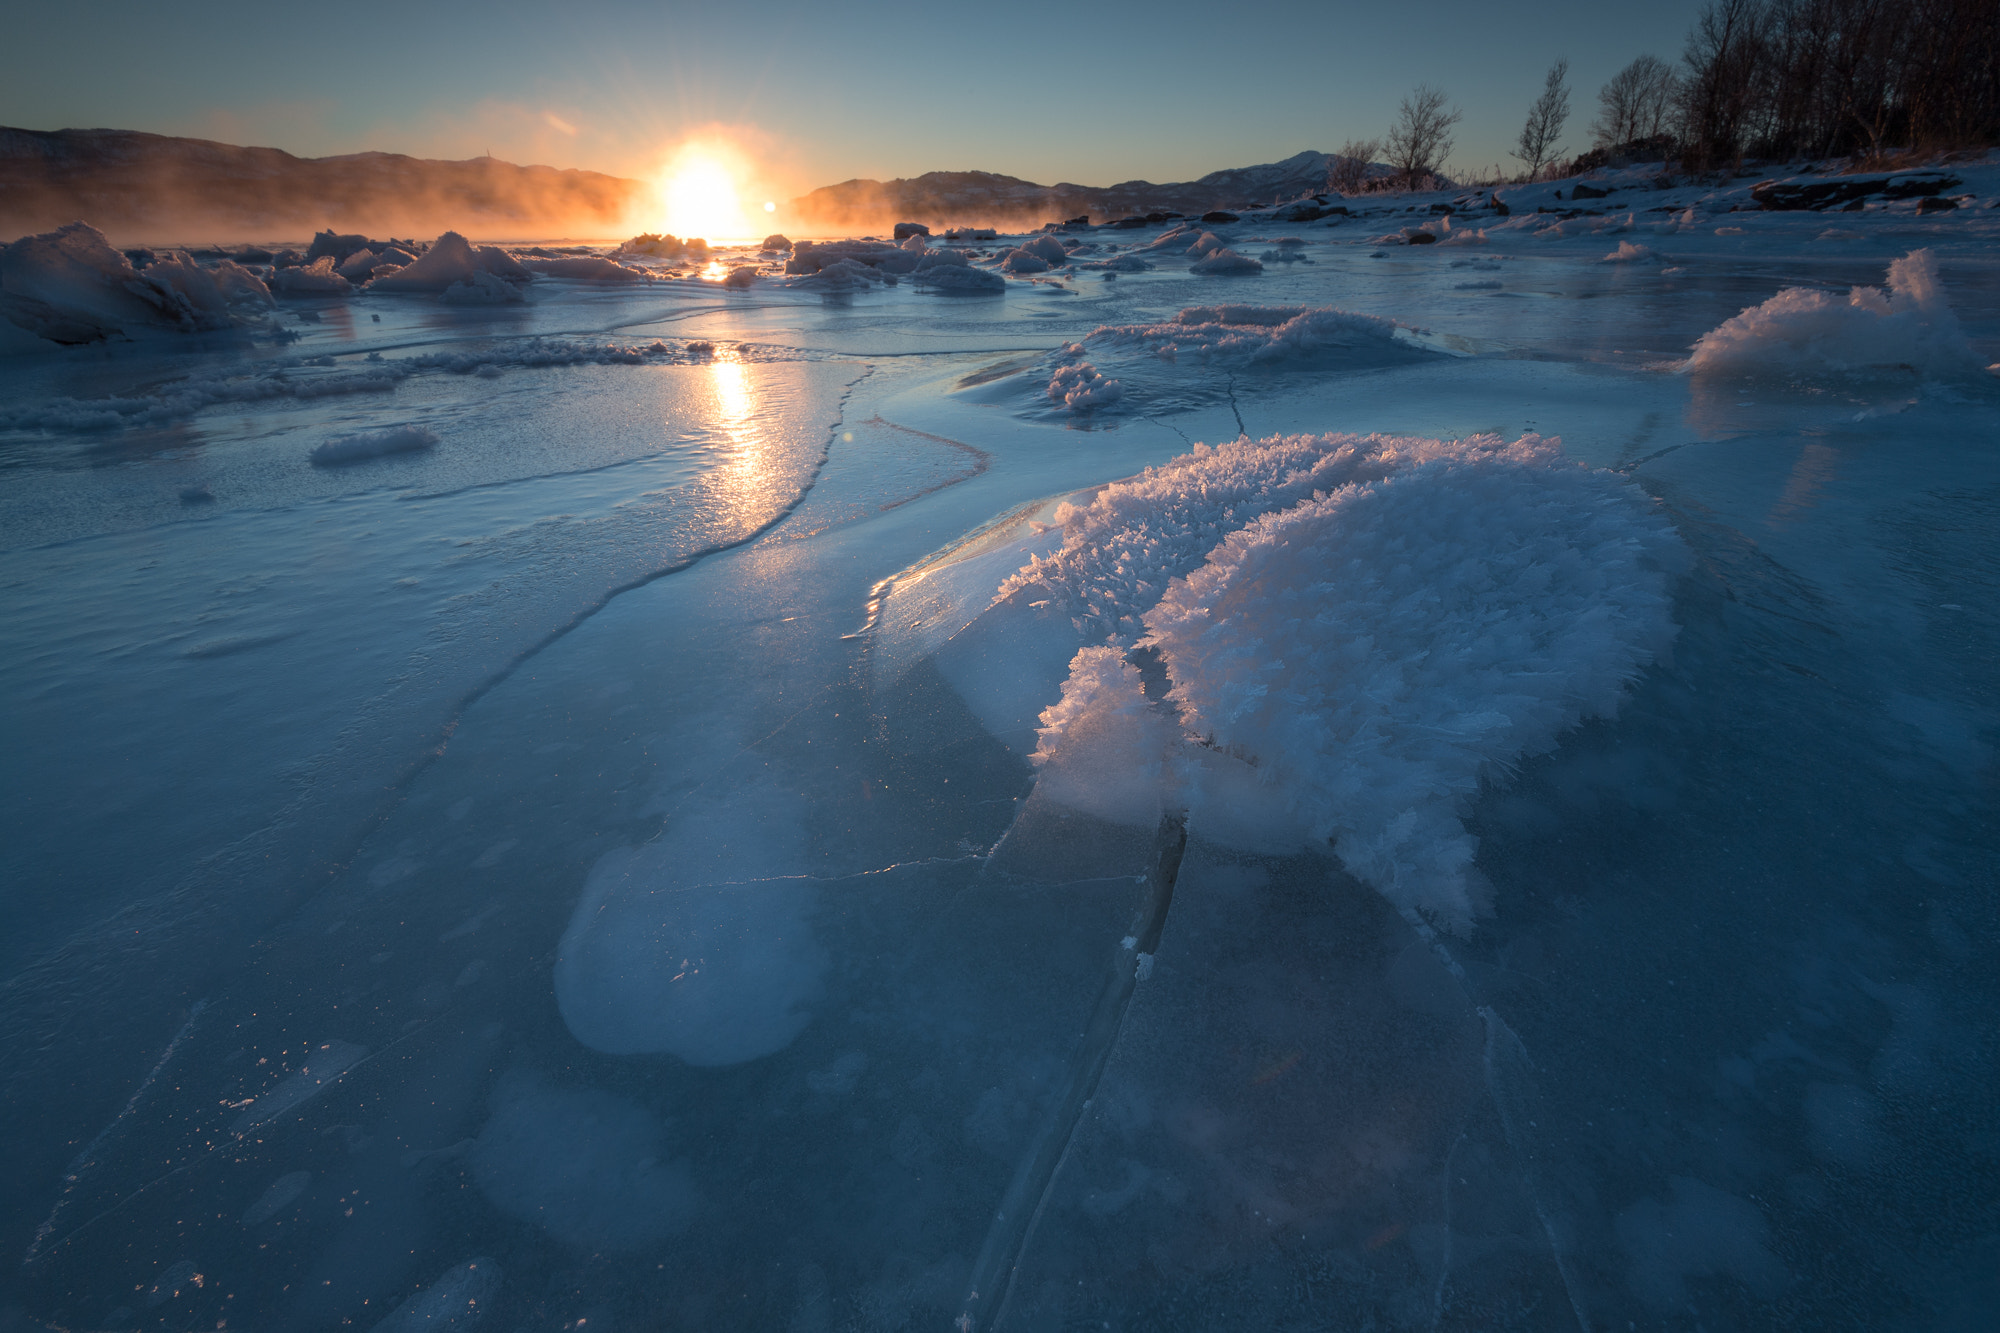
1541 137
1421 139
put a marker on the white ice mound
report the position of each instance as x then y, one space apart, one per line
1081 388
959 278
372 444
1802 331
584 268
1249 333
70 286
698 944
1119 552
585 1166
1376 651
1226 263
450 259
1104 749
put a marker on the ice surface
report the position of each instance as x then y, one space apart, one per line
587 1167
699 945
741 881
374 444
284 1191
1250 334
459 1298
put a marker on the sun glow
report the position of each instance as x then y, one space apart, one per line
700 192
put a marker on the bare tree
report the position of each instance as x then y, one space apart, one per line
1541 137
1636 104
1347 173
1726 59
1421 139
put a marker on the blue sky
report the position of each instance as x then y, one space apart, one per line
1087 93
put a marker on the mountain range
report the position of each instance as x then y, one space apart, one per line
156 188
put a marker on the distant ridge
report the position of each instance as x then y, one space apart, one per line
945 197
154 187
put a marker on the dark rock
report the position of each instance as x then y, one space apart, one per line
1127 224
1785 196
1218 215
1918 187
905 230
1445 209
1154 219
775 242
1587 191
1498 207
1935 204
1423 238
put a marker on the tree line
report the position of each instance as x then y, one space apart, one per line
1779 79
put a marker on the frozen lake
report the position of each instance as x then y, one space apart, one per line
581 859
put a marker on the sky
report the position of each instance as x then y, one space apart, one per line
815 94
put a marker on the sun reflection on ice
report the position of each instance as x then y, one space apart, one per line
736 414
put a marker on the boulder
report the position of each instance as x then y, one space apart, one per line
774 243
1937 204
1585 190
905 230
1219 215
1785 196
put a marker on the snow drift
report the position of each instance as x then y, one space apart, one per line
1802 331
1357 631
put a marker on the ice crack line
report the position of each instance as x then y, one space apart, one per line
82 1161
1027 1194
1233 410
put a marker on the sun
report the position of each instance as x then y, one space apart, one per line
700 192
